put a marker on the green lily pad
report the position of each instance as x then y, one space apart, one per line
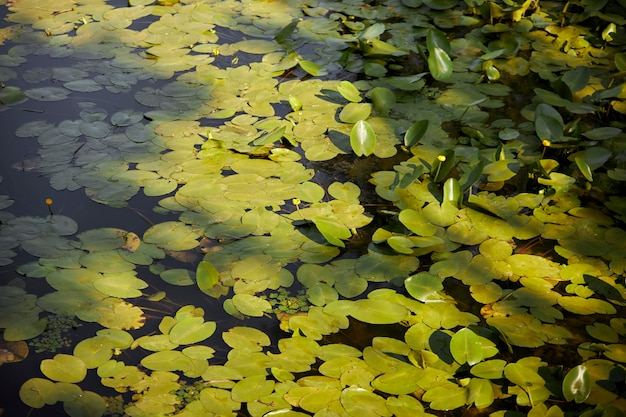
121 285
362 138
218 401
48 93
252 388
349 91
191 330
586 306
332 230
362 402
468 347
369 311
448 397
384 100
86 404
251 305
10 95
246 338
424 286
577 384
491 369
417 222
37 392
354 112
172 236
206 276
64 368
94 351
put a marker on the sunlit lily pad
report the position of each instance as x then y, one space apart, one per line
37 392
64 368
172 236
191 330
251 305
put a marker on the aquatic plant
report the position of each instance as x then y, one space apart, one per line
55 336
443 179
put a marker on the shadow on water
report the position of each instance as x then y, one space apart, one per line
29 189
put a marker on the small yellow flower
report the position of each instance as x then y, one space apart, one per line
545 143
441 158
296 201
48 201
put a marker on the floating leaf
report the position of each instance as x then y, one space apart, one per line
246 338
64 368
371 311
548 123
577 384
286 31
191 330
87 404
355 112
480 393
122 286
602 332
349 91
358 401
586 306
206 276
37 392
332 230
491 369
10 95
424 286
172 236
467 347
94 351
439 64
168 360
415 132
362 138
251 305
126 117
522 375
218 402
83 86
448 397
311 67
24 327
252 388
48 93
384 100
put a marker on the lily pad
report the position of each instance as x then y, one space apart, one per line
191 330
64 368
172 236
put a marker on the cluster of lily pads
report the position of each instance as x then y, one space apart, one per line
245 112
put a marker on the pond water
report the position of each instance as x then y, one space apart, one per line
297 208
